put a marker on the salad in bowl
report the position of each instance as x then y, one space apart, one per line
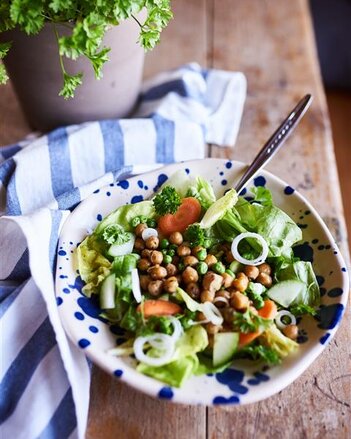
197 283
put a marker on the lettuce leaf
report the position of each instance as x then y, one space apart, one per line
124 214
184 362
203 191
277 341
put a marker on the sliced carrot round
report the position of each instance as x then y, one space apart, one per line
188 213
268 311
158 308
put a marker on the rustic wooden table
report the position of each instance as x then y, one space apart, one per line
272 42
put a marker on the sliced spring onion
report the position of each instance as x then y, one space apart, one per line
136 285
166 352
178 328
260 259
160 341
220 299
212 313
147 233
280 315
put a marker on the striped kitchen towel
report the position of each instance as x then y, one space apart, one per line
44 383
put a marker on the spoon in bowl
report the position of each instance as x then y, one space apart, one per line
275 142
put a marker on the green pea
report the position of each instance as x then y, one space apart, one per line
151 222
235 266
218 268
164 244
171 252
164 252
135 221
167 259
173 247
181 266
207 243
201 268
201 255
228 271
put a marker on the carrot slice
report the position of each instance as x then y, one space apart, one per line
268 311
159 308
188 212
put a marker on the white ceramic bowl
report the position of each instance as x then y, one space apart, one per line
245 382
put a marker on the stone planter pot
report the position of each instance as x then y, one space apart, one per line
34 69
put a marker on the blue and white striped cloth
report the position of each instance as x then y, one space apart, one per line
44 383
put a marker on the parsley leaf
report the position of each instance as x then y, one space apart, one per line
259 352
300 309
115 234
195 235
249 322
70 83
167 201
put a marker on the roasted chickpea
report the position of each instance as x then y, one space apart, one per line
196 250
227 280
190 275
193 290
170 285
210 260
146 253
241 282
139 244
140 228
176 238
229 257
212 281
157 272
228 315
156 257
183 250
144 279
211 328
265 268
207 296
175 260
291 331
143 264
239 301
152 242
171 269
264 279
190 260
251 271
155 287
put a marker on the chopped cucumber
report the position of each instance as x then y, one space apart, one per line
122 249
286 291
107 294
225 345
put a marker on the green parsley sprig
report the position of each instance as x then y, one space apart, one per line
167 201
249 322
87 22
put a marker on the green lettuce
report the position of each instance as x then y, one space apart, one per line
93 266
303 271
218 209
123 215
203 191
277 341
184 362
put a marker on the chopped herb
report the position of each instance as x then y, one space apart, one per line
115 234
259 352
195 235
167 201
249 322
301 309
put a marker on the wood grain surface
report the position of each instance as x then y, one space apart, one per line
272 42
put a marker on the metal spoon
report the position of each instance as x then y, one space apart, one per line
274 143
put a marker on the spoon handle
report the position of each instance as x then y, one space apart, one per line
274 143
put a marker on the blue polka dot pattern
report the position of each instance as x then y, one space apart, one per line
99 217
324 338
93 329
83 343
78 315
329 316
232 378
335 292
343 269
62 276
224 182
228 165
66 290
108 194
136 199
118 373
259 181
124 184
59 300
62 253
187 170
223 400
166 393
140 184
289 190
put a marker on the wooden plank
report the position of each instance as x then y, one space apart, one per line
116 410
272 43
